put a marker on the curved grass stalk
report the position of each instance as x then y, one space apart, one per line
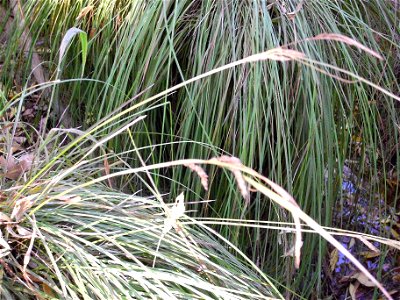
277 194
276 54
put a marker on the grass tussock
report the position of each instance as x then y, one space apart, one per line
96 243
66 233
322 99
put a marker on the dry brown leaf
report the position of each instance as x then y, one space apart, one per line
370 254
353 290
352 243
396 278
13 168
13 171
395 234
29 112
21 206
364 280
26 161
334 258
7 164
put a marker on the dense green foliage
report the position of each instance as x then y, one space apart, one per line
296 123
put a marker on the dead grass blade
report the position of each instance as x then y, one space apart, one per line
346 40
296 211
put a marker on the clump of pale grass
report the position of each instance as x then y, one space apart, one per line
292 123
64 235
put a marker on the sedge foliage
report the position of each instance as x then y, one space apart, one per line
66 233
96 243
291 122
